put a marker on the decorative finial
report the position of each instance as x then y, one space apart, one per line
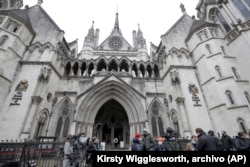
183 8
116 8
39 2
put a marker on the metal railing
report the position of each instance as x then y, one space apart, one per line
30 153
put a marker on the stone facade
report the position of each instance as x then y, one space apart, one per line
196 77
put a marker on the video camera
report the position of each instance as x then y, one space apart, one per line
170 133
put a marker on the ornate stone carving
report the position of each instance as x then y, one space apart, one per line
180 100
22 86
36 99
174 75
45 73
115 43
166 102
193 88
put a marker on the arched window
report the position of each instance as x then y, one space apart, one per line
113 66
216 15
67 69
83 69
242 7
63 123
1 4
134 70
124 66
149 70
236 75
91 68
3 39
230 97
101 65
217 68
242 125
41 125
142 69
154 126
156 71
209 49
247 97
75 69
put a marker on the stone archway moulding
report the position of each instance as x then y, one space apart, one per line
96 98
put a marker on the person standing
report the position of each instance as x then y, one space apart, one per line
136 145
192 145
116 141
68 150
241 144
147 140
227 142
205 142
218 142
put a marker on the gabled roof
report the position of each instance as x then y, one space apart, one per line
21 15
198 24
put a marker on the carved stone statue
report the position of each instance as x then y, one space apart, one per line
45 73
193 89
22 86
174 75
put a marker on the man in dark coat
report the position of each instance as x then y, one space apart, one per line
219 144
205 142
227 141
241 144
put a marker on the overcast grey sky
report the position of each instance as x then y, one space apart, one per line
154 16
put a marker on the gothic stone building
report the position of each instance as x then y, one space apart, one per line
198 76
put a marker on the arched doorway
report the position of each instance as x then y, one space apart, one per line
112 121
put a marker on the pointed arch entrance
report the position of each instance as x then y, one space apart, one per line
118 103
113 121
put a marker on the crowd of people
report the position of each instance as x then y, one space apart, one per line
202 141
79 145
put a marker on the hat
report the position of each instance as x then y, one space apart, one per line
145 130
161 139
137 135
223 132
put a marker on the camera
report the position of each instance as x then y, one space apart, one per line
170 133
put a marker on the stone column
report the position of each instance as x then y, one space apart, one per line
185 125
35 102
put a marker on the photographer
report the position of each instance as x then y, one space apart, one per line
147 140
171 140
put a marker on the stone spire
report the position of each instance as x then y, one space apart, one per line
183 8
116 22
140 44
91 40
